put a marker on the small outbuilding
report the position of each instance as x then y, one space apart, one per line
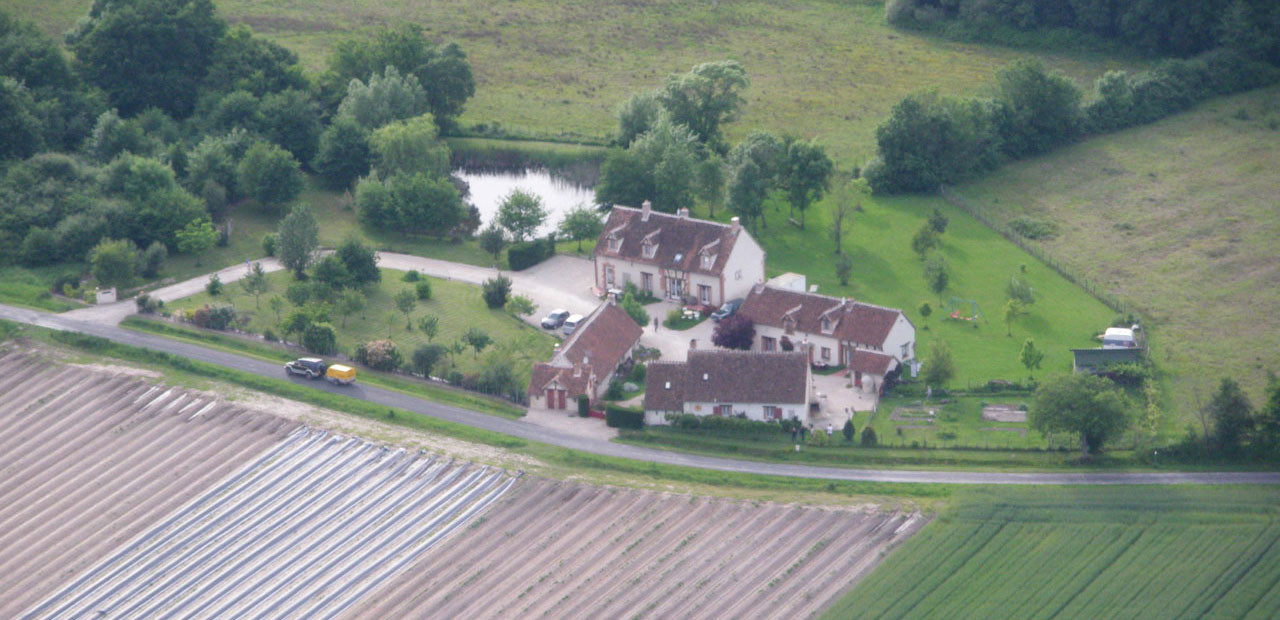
589 359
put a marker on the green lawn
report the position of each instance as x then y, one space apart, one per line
21 286
1085 552
1179 219
457 305
887 272
559 69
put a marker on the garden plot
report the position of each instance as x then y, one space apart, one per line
89 460
565 551
1004 413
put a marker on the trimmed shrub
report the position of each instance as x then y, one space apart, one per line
214 317
496 291
148 304
623 417
319 338
869 439
584 406
529 253
378 355
269 244
423 289
269 335
411 275
848 431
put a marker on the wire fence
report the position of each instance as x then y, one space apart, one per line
1093 288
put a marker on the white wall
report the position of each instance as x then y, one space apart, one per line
748 258
902 333
753 411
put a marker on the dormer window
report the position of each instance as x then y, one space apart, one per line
650 248
614 244
708 260
826 325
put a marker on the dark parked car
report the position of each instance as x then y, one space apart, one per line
555 319
309 367
726 310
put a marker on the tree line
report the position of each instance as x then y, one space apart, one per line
1165 28
163 119
669 149
931 140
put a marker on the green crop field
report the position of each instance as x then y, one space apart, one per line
1087 553
1179 218
457 305
560 69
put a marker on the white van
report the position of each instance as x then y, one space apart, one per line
571 324
1118 338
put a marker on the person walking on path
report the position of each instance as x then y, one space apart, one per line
828 429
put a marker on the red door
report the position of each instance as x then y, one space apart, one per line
857 378
551 398
562 406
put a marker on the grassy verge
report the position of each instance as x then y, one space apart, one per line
554 461
277 353
1136 552
29 288
1178 219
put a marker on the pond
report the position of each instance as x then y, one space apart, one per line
559 194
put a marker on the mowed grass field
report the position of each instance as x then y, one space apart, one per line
1181 219
1089 553
560 68
887 272
457 305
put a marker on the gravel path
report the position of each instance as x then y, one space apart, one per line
570 551
89 460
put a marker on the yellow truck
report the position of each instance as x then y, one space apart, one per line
340 374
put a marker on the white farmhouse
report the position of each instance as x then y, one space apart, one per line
676 256
758 386
869 341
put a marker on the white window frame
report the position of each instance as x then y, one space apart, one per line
826 353
704 293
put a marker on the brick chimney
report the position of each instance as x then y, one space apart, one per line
736 222
646 208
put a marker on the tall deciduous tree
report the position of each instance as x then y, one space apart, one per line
408 147
406 300
636 116
806 172
581 223
1232 415
148 53
1031 357
114 261
20 130
351 302
706 98
344 154
385 97
290 119
939 368
361 261
443 71
299 236
1037 111
197 237
1080 403
270 175
492 240
521 213
747 189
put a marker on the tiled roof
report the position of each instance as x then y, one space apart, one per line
852 321
600 343
727 377
870 362
680 240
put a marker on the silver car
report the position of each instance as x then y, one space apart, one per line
571 324
555 319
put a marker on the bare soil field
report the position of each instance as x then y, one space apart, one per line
88 460
563 550
122 497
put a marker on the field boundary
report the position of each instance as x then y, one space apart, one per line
1107 298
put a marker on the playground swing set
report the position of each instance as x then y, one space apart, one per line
962 310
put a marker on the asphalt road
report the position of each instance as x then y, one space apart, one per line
541 434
